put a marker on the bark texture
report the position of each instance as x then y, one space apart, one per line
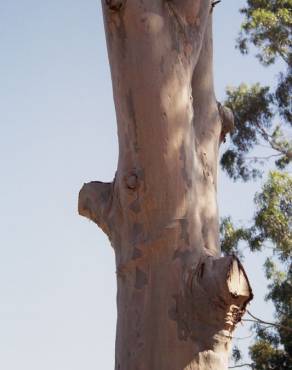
178 301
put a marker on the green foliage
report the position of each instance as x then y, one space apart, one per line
283 94
273 347
263 117
251 107
272 226
273 218
236 354
272 221
267 25
257 109
266 357
254 110
230 236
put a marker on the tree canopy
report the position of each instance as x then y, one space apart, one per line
263 121
262 116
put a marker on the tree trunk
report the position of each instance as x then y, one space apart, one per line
177 300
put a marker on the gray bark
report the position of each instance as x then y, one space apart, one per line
178 301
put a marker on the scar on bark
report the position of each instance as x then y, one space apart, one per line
95 201
222 287
226 283
227 121
115 5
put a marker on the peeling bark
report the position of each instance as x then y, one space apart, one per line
178 301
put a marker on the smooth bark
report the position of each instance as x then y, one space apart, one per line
178 301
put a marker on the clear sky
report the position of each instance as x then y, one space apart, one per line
57 130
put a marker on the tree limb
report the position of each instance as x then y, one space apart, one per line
214 3
272 143
260 321
227 120
263 158
226 281
94 203
243 338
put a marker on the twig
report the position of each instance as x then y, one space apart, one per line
257 320
263 158
282 55
243 338
241 365
269 139
215 3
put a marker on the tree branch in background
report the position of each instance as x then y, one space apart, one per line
263 118
260 321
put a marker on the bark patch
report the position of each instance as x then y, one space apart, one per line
179 313
177 29
105 195
141 279
183 256
136 254
184 224
135 206
137 233
184 171
132 115
161 65
116 29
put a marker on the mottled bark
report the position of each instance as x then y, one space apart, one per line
178 301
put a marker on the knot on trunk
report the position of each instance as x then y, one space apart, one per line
115 5
213 301
131 181
227 121
223 284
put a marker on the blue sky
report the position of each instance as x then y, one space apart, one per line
57 130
